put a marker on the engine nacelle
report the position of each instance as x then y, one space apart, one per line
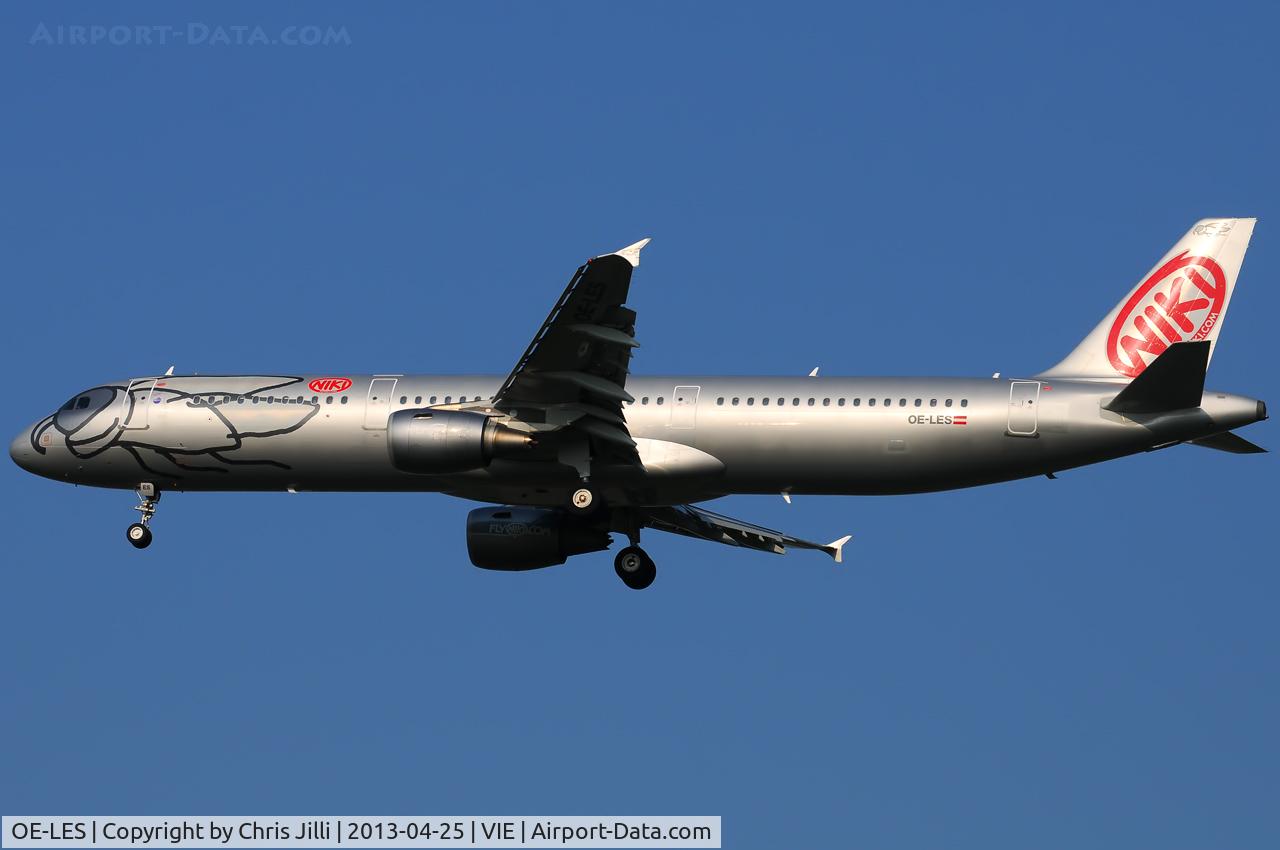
515 538
435 442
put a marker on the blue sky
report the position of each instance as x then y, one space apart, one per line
888 190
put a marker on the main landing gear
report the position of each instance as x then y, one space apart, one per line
139 534
636 569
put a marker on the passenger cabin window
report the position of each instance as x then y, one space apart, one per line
659 399
811 402
417 399
964 402
948 403
795 402
871 402
826 402
735 401
857 402
328 399
344 400
404 399
751 401
933 402
840 403
902 402
919 402
720 401
765 401
432 400
644 400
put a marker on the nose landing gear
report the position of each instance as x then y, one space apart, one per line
139 533
636 569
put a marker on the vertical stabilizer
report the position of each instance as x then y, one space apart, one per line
1183 299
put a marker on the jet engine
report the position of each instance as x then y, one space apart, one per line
435 442
521 538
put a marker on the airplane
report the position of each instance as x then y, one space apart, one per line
570 447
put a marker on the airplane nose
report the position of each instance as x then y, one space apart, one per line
21 451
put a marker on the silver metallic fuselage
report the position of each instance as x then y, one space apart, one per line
699 437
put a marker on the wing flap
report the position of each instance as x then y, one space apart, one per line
573 374
705 525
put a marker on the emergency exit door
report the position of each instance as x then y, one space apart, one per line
684 407
377 407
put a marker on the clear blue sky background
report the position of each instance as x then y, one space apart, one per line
1088 662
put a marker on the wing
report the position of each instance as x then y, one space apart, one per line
703 524
574 372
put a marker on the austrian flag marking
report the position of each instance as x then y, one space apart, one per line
1182 300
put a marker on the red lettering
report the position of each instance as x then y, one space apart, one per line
329 385
1149 343
1178 309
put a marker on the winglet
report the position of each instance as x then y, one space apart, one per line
836 548
814 373
631 253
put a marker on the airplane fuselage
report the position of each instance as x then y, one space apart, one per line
699 437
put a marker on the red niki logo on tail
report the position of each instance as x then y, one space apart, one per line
1182 300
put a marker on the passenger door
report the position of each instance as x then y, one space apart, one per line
138 399
1023 397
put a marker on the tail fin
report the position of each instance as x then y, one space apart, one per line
1184 298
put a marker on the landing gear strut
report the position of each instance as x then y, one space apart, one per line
139 534
636 569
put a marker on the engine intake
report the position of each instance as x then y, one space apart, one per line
518 538
435 442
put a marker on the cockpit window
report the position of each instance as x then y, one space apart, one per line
82 402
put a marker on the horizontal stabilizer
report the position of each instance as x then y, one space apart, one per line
1173 381
1229 442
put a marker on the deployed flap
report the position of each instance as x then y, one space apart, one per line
1173 381
578 360
1229 441
705 525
